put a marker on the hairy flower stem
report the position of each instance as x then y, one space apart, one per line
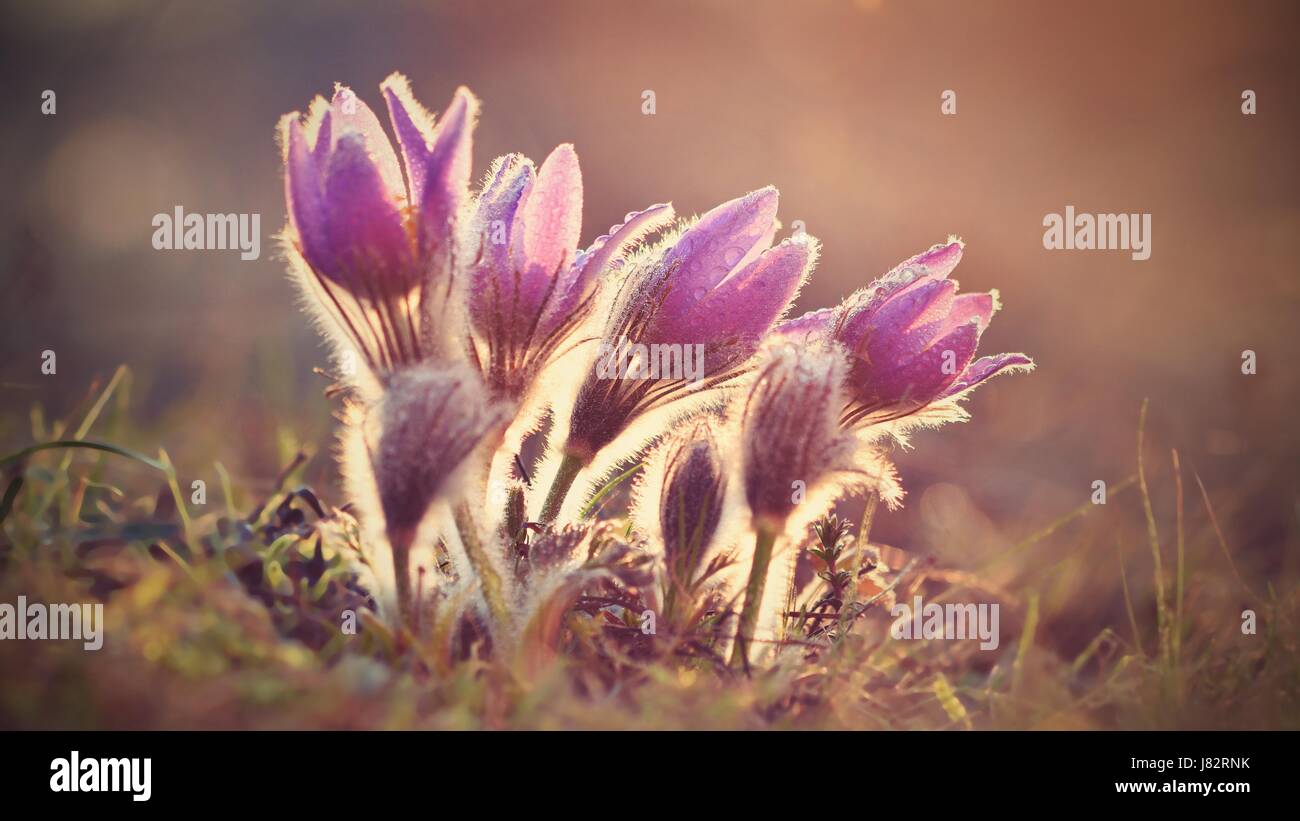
400 541
489 580
763 543
569 467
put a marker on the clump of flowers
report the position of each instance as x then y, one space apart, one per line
463 319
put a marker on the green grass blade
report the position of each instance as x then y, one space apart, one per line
87 444
608 488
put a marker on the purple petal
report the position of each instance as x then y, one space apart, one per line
324 144
936 263
898 335
723 240
986 367
811 328
302 191
609 248
349 115
446 177
743 308
581 278
413 125
882 333
366 231
512 178
437 161
550 220
920 379
979 307
939 261
492 283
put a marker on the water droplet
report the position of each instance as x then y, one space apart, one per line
732 256
699 293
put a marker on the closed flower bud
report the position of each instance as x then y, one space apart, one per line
371 246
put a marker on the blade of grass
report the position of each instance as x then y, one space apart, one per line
181 507
11 493
1162 605
862 542
606 489
1093 648
97 408
1223 544
258 517
88 444
87 422
1179 575
948 700
37 417
1128 599
1042 533
227 488
1026 640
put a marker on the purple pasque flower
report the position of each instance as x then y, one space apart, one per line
680 503
795 460
691 498
378 246
529 286
715 291
792 446
911 338
429 420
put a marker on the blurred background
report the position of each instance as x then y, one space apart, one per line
1108 106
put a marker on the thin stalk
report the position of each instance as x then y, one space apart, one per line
1180 572
1162 607
764 540
1128 601
400 541
569 467
859 558
489 579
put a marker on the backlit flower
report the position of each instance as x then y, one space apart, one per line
912 340
719 287
377 247
708 297
529 286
